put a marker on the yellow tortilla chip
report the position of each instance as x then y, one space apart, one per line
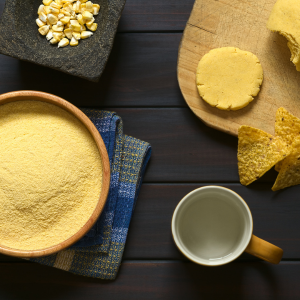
289 174
287 127
258 152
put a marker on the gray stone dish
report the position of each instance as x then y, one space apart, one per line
19 38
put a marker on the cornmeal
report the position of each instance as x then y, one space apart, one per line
228 78
284 19
50 175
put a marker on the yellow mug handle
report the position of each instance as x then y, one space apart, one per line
264 250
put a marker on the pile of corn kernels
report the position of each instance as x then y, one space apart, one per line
65 22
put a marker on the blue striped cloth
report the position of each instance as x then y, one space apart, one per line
99 253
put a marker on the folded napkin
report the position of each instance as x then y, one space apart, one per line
99 253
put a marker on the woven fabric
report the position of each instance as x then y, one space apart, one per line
99 253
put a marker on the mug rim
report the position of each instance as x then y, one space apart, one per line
175 213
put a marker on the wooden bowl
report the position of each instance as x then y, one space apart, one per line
45 97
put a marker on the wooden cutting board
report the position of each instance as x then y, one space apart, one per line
242 24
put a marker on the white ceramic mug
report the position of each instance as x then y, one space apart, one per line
213 225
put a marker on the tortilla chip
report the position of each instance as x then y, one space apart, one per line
289 174
258 152
287 127
278 165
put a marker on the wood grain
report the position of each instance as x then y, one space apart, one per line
184 149
155 280
48 98
241 24
157 15
140 72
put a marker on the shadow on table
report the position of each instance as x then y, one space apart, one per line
35 282
238 280
78 91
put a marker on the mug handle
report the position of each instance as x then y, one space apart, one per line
264 250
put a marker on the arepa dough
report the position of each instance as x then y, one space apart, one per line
228 78
285 19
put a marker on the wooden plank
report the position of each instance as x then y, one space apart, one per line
155 280
141 71
241 24
275 215
157 15
143 15
184 149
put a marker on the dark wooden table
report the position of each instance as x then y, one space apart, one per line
140 84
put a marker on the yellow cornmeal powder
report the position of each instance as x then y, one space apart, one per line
50 175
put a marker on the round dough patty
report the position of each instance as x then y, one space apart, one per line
228 78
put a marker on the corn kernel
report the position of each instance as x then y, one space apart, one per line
47 2
85 34
92 27
49 35
59 2
52 19
57 28
82 8
89 23
68 7
68 33
87 16
89 6
63 43
96 8
54 10
43 17
80 19
76 35
74 22
40 9
73 42
54 41
75 27
73 15
57 35
65 20
44 29
47 10
40 23
55 5
66 13
77 7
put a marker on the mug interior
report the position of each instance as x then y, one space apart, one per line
212 225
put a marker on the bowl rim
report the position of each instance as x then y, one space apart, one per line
55 100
